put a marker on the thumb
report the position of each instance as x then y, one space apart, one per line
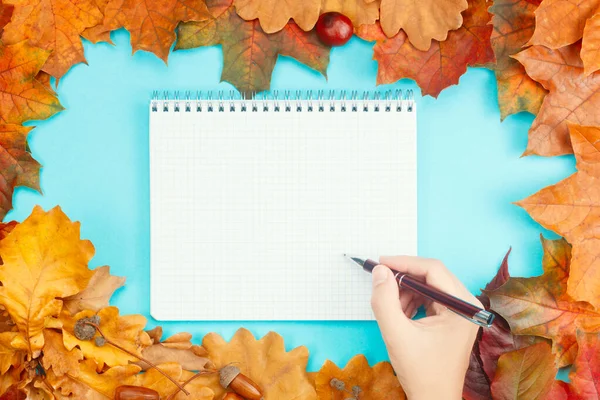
385 302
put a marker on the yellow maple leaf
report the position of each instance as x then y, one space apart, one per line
53 25
126 331
280 375
358 380
44 259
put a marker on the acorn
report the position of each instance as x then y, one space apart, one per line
128 392
232 396
231 378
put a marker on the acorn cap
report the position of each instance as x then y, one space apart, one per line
228 374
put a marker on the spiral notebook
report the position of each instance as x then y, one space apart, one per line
253 203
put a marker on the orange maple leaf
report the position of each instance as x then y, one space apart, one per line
44 260
540 306
358 380
249 54
152 23
513 22
572 97
22 96
17 166
526 373
444 63
53 25
572 209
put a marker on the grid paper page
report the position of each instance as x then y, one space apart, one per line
251 212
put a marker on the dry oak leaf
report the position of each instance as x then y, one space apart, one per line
53 25
126 331
16 164
249 54
444 63
9 356
281 375
358 381
539 306
527 373
513 22
422 21
559 23
572 97
585 374
154 380
152 23
44 259
571 208
57 357
89 384
22 97
360 12
273 15
98 292
179 349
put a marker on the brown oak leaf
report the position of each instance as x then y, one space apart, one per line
444 63
17 166
273 15
177 348
513 22
539 306
249 54
358 380
526 373
22 97
98 292
152 23
126 331
422 21
46 249
571 208
360 12
281 375
53 25
8 355
572 97
57 357
590 48
559 23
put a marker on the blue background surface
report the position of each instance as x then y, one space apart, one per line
95 158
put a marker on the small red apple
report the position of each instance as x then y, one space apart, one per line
334 29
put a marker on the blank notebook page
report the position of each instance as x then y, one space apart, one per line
252 211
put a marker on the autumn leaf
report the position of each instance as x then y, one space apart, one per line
559 23
590 49
527 373
53 25
249 54
152 23
6 12
22 97
281 375
585 374
88 383
513 22
358 380
572 97
44 259
539 306
98 33
571 208
360 12
8 355
444 63
126 331
273 15
422 21
98 292
477 383
178 348
57 357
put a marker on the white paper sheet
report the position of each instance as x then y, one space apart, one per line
251 212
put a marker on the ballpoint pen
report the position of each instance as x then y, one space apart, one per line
466 310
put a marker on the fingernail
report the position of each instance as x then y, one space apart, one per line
380 275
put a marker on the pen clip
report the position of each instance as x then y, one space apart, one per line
482 318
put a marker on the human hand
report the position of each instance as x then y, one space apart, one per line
430 355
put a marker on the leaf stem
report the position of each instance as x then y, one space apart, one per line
108 341
205 372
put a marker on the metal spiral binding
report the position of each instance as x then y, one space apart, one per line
300 101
